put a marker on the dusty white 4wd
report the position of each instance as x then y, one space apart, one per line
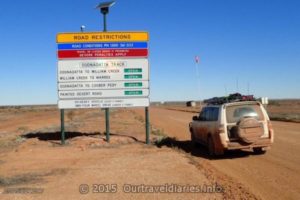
230 126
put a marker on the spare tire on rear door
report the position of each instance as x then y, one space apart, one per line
249 129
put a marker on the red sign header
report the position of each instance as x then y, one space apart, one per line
102 53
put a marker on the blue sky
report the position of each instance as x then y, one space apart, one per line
252 42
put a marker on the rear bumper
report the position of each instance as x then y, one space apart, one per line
263 142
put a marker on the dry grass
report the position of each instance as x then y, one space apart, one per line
29 178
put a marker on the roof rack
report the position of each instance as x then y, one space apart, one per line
231 98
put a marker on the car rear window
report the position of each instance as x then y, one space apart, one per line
209 114
235 112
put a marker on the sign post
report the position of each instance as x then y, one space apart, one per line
62 126
104 8
147 125
107 124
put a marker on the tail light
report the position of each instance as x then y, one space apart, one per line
270 128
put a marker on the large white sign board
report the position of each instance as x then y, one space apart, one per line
103 70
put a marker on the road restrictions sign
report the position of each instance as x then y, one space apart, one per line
103 69
102 37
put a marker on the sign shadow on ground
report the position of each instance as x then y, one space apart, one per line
53 136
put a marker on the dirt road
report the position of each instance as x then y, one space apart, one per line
32 158
274 175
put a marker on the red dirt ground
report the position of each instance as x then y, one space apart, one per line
32 157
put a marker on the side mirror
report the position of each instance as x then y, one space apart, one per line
195 118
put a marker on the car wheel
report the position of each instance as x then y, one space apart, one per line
193 139
259 150
211 147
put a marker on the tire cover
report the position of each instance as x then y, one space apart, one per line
249 129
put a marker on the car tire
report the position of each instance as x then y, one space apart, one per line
193 140
211 147
259 150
